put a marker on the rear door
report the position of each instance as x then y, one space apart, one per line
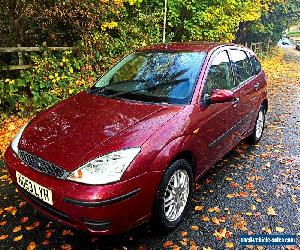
246 88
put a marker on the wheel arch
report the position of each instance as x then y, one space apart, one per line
189 156
265 103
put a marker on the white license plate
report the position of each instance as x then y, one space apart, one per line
35 189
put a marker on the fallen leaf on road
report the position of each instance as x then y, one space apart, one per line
45 242
18 238
3 237
22 204
2 223
12 210
67 232
65 247
183 234
17 229
229 245
267 230
271 211
222 233
31 246
24 219
199 208
168 244
215 220
279 229
205 218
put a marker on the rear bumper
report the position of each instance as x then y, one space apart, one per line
98 209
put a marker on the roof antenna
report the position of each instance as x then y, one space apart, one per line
165 21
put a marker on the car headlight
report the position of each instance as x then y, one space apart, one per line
15 142
105 169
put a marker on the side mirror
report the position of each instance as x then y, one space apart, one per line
221 96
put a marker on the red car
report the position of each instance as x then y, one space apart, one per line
128 150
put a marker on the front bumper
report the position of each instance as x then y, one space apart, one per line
99 209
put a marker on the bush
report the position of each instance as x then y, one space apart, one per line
54 78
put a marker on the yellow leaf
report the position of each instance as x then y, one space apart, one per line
31 246
248 213
3 237
267 230
253 207
18 238
228 179
205 218
194 228
271 211
279 229
229 245
215 220
17 229
230 196
199 208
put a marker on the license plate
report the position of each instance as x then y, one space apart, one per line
35 189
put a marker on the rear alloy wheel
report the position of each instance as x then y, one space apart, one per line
258 129
173 195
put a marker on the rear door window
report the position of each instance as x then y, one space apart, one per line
242 66
256 67
219 74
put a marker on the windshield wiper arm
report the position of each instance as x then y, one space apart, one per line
100 89
151 87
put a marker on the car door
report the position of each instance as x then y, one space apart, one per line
246 87
216 121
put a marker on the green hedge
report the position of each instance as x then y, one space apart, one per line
53 78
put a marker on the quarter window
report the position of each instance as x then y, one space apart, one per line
256 67
241 64
219 75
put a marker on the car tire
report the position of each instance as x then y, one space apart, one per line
172 200
259 126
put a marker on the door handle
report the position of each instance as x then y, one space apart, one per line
256 86
235 101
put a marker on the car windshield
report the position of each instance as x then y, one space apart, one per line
159 77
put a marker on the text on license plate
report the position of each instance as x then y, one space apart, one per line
35 189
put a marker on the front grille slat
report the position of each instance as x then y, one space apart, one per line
42 166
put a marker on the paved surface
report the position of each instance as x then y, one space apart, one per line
237 195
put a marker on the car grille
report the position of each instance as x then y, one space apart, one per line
42 166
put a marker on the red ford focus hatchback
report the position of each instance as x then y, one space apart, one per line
128 149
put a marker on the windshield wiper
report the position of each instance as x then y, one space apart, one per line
107 87
173 82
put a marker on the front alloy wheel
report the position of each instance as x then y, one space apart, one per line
173 195
176 195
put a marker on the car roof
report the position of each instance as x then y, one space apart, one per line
184 46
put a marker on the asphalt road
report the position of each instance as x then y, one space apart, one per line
243 187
